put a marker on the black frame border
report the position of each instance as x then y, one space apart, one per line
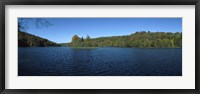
3 3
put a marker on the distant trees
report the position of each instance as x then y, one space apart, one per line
28 40
88 37
75 38
139 40
76 41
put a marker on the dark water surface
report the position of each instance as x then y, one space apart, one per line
65 61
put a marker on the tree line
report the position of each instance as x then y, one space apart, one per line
29 40
141 39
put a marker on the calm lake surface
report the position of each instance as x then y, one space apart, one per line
108 61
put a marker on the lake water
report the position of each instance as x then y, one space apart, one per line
108 61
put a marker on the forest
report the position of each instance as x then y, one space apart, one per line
141 39
29 40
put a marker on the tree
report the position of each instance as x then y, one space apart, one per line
29 40
88 37
39 23
82 39
75 38
139 40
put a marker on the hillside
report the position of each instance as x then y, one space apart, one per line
29 40
63 44
138 40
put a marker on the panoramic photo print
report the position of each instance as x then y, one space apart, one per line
99 46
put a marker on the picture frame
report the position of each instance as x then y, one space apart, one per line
99 2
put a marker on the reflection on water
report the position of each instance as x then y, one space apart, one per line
65 61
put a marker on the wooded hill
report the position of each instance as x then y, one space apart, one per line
29 40
138 40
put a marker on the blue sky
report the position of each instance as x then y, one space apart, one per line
63 29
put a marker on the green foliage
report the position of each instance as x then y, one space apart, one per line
139 40
76 41
63 44
29 40
75 38
88 37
